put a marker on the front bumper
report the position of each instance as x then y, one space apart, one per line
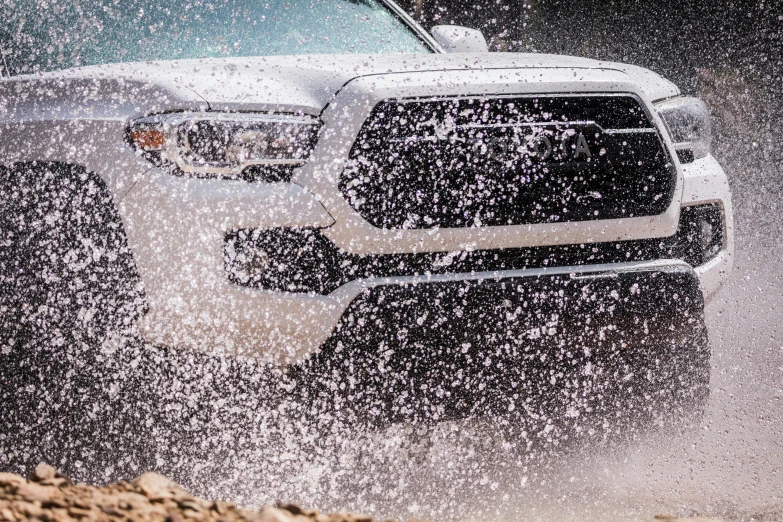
194 304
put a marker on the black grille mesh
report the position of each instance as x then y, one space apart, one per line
457 163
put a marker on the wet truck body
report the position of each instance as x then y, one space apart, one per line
453 225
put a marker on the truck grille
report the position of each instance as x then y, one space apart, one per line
472 162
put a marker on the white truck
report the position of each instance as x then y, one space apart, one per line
324 184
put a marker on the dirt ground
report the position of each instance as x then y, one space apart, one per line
48 496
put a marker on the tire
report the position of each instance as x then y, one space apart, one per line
68 290
65 267
78 387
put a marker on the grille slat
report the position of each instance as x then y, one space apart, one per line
456 163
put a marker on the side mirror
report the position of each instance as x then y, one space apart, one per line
457 39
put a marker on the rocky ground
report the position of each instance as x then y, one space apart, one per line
49 496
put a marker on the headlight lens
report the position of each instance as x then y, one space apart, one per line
224 145
689 124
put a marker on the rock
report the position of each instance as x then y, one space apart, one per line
157 487
671 518
174 517
191 505
50 497
58 515
32 492
82 503
9 479
111 511
221 508
29 509
291 508
57 482
44 472
78 512
270 514
55 503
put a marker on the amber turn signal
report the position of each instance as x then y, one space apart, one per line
148 139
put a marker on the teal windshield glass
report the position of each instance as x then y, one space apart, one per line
45 35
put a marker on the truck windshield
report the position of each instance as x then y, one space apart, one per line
46 35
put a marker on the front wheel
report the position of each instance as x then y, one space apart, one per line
66 273
69 293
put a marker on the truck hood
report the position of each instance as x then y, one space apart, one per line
305 83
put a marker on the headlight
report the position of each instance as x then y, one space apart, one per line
227 145
688 122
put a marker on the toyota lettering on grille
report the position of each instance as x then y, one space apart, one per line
568 146
512 142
